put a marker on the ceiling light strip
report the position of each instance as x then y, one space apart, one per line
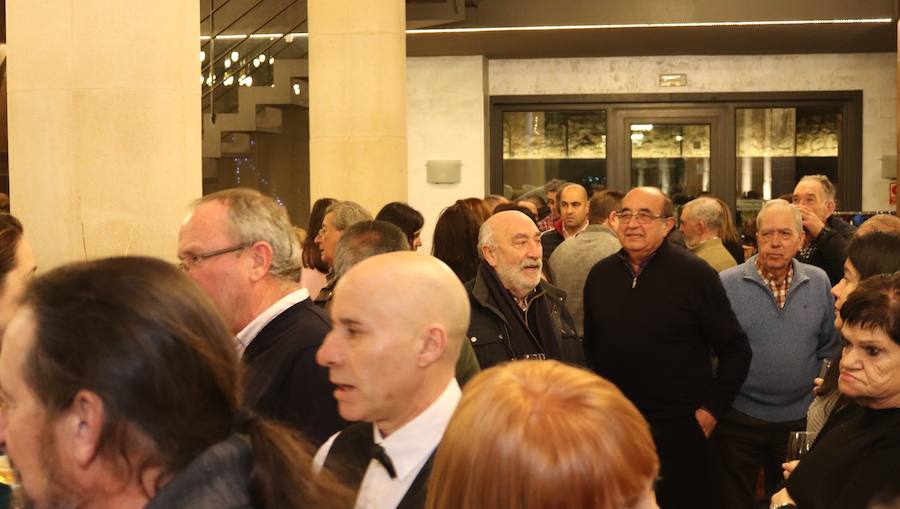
615 26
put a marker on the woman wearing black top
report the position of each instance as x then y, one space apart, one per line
855 460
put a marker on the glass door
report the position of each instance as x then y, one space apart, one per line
678 150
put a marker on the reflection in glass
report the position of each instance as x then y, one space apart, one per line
542 145
673 157
777 146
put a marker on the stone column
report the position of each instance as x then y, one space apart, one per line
357 111
104 124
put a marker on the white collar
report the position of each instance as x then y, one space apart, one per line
252 329
411 445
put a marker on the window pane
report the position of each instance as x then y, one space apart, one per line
542 145
673 157
777 146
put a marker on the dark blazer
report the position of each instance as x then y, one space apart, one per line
283 381
488 330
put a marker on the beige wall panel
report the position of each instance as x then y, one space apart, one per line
104 125
381 16
145 51
39 39
41 183
358 101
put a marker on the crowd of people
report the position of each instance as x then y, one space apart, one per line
571 348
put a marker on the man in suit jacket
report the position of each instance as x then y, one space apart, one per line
239 247
399 323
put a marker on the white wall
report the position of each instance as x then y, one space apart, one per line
873 73
446 119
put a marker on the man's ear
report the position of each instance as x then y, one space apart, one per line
261 253
433 339
670 223
829 207
80 429
489 255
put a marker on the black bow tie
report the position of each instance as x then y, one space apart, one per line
377 452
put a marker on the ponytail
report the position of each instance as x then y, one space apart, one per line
277 450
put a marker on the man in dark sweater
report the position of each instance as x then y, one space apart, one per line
653 314
827 236
240 248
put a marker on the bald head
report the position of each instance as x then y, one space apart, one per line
423 292
399 320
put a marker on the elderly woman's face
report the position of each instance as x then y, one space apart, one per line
870 368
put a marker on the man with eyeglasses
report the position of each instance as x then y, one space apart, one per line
787 310
653 313
240 248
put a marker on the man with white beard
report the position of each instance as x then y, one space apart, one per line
515 314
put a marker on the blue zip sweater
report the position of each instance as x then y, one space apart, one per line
788 344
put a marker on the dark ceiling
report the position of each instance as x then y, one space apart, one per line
278 16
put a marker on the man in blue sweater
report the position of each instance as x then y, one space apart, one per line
787 311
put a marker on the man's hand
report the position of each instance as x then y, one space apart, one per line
706 421
788 468
817 385
811 222
781 498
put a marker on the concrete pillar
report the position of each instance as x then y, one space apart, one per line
897 211
104 124
357 112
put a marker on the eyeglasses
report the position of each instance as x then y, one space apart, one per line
768 235
643 217
192 260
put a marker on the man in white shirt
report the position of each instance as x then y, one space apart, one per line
240 248
399 323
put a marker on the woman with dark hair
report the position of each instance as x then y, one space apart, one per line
126 389
408 219
867 255
16 266
456 240
854 460
314 272
477 206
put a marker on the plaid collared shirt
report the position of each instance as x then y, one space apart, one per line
778 288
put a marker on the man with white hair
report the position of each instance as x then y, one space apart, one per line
701 225
240 248
787 310
399 323
515 314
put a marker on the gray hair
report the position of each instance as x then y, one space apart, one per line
707 210
486 238
779 203
366 239
254 217
824 183
347 213
553 185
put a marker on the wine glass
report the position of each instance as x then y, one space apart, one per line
799 443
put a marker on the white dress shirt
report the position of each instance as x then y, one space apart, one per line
408 447
252 329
